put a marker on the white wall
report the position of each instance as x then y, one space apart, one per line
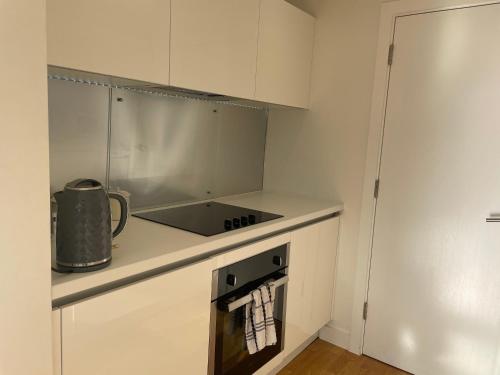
322 152
25 303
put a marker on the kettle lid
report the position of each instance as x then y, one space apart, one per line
84 184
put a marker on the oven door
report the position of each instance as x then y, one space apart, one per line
229 354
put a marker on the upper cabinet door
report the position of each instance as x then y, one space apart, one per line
214 46
125 38
286 37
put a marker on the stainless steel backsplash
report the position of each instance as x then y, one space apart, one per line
163 150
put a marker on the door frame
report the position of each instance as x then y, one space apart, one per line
389 13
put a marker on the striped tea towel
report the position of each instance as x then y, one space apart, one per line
259 325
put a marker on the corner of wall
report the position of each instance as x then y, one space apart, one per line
336 335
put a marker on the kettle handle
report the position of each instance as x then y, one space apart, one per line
123 212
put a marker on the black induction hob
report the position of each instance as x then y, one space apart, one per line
209 218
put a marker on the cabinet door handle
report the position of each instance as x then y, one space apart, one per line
493 219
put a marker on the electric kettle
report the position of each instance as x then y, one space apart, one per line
83 226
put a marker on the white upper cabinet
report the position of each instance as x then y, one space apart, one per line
252 49
286 37
214 46
124 38
157 326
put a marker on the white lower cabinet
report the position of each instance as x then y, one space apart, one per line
324 273
299 295
56 341
310 289
156 326
161 325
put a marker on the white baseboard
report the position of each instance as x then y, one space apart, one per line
336 336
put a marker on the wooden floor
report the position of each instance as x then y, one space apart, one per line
322 358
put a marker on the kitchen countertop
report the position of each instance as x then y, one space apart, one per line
145 246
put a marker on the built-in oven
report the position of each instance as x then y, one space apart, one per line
230 293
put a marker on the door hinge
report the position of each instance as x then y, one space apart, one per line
390 55
365 310
375 190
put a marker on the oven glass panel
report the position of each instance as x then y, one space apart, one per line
231 354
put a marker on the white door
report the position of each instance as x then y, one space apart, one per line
434 292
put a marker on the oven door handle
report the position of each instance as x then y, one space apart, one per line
248 298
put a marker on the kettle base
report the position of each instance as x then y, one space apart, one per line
66 269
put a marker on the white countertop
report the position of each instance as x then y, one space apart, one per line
144 246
